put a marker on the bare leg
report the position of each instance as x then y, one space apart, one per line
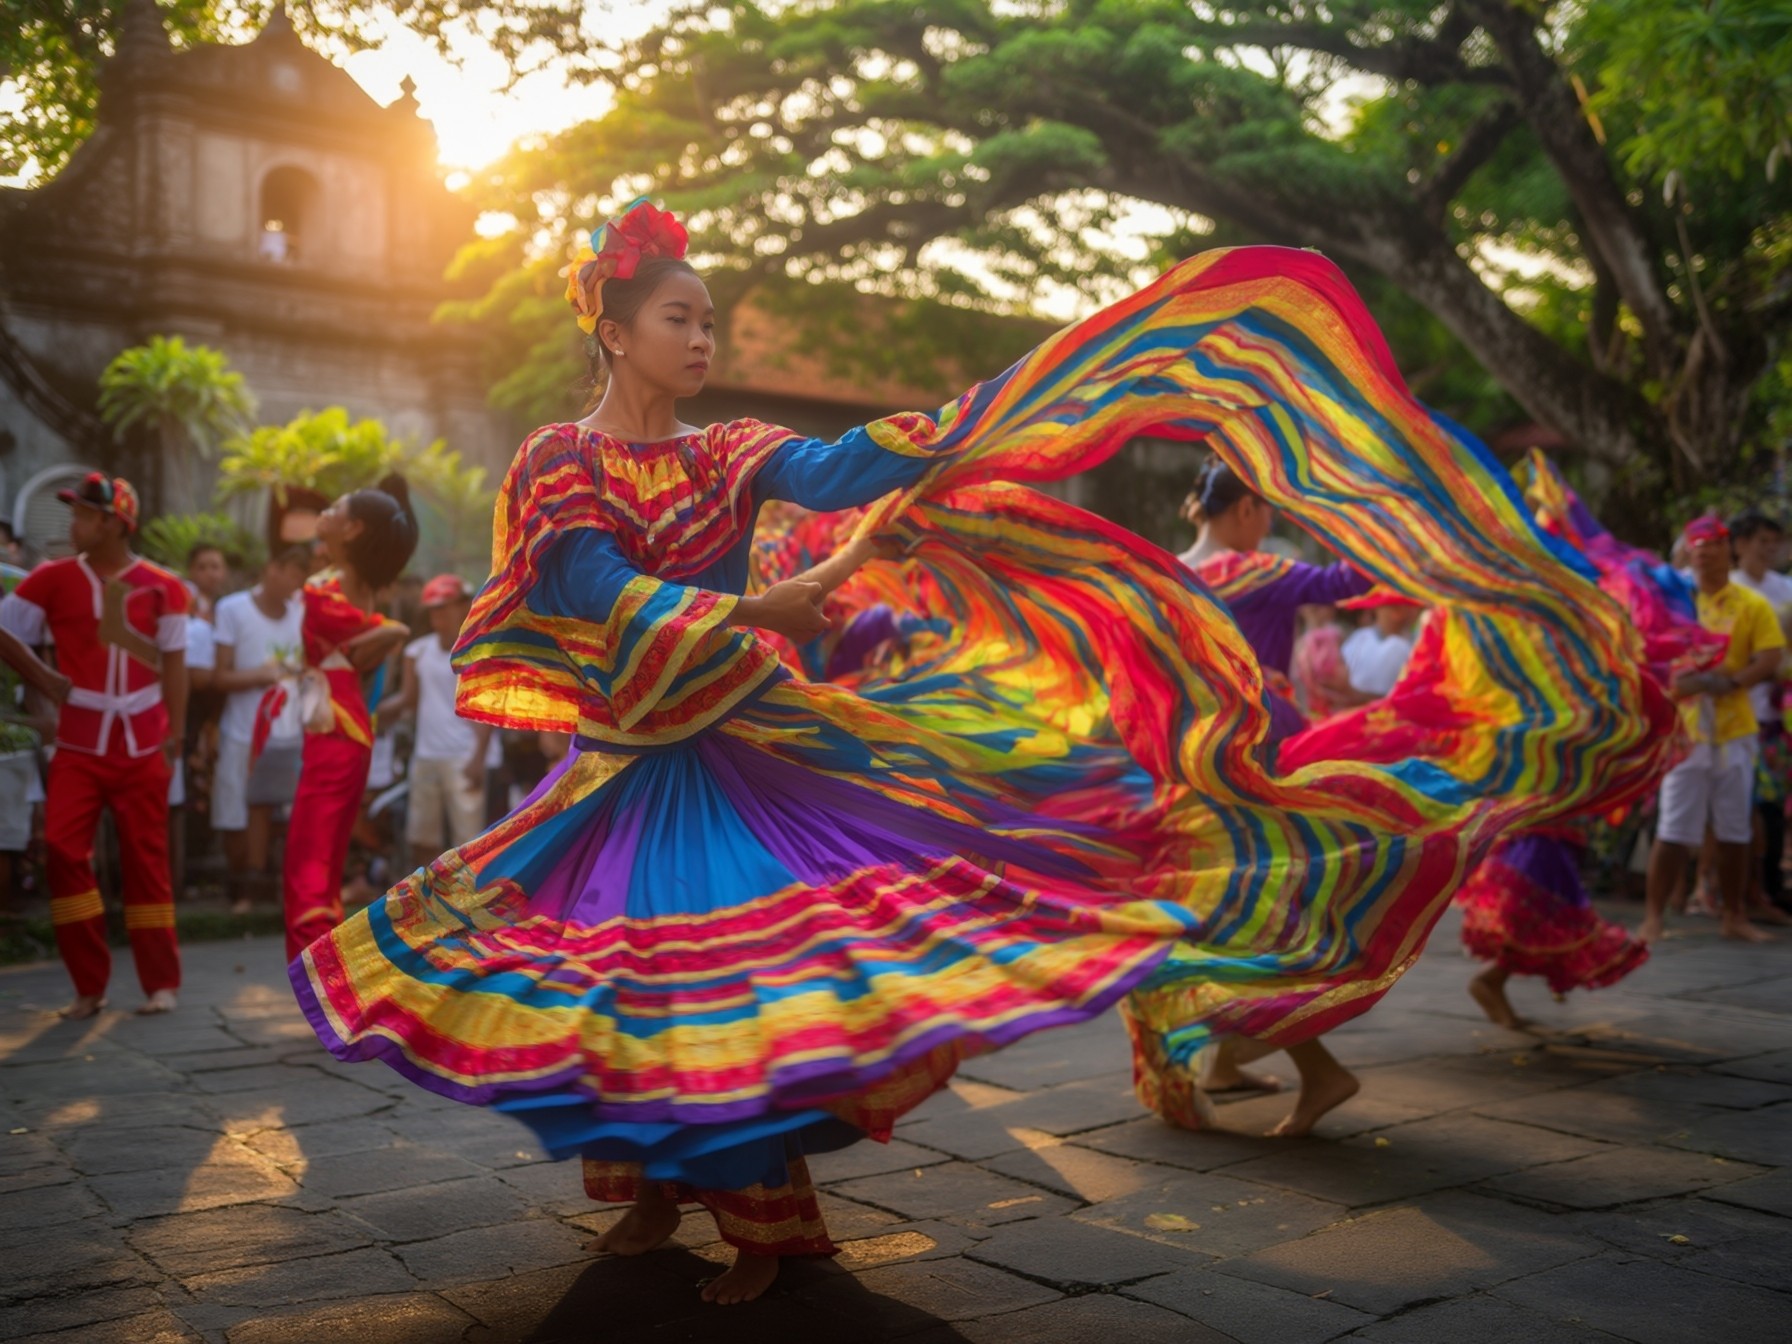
1732 876
1488 989
749 1277
1324 1084
1667 865
649 1223
1225 1075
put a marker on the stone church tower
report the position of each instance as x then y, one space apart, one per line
252 198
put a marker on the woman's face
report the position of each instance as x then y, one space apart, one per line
336 528
1253 518
670 341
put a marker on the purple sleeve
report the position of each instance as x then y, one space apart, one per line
1317 584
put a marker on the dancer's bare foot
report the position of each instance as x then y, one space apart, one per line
649 1223
162 1001
1649 931
1490 994
242 905
1743 931
1766 912
84 1007
750 1276
1318 1095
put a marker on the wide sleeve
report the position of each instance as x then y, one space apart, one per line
1320 585
331 621
860 466
570 635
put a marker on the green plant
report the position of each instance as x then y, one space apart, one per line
169 539
187 396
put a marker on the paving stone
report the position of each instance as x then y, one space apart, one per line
27 1152
956 1191
1482 1320
417 1214
1596 1114
1149 1139
1620 1176
912 1296
301 1145
1763 1135
1772 995
1679 1230
1080 1173
1071 1108
973 1136
900 1242
398 1167
1652 1303
261 1078
481 1253
511 1307
1251 1313
96 1074
1681 1084
176 1036
846 1219
53 1311
320 1099
1771 1193
65 1257
469 1132
1083 1319
1436 1154
1072 1254
1228 1217
407 1318
236 1057
553 1187
1449 1245
99 1151
368 1271
118 1114
231 1175
1687 1034
1775 1066
870 1159
191 1245
1052 1057
35 1178
152 1327
1259 1113
49 1205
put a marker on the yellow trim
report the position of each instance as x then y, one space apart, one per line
74 909
159 915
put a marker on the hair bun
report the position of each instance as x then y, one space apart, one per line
395 485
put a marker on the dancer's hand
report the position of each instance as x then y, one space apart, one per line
791 608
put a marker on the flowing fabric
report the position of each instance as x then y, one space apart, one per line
753 915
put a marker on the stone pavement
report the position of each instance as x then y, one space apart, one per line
213 1176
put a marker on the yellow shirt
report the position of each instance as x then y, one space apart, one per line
1748 619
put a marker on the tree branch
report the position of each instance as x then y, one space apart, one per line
1479 142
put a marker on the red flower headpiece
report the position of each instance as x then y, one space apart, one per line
614 252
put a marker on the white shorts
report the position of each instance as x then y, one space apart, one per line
439 792
18 784
236 788
1714 786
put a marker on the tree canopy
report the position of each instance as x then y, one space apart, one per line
1594 199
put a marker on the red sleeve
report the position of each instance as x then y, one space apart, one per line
331 620
39 586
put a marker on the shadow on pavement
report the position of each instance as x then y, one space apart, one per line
655 1298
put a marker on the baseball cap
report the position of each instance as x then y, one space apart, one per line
1708 527
108 494
445 588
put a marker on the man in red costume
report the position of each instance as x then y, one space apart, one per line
119 627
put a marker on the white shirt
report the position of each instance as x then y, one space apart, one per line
1374 660
442 735
200 653
1777 589
238 624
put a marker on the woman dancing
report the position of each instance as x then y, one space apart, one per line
752 918
368 536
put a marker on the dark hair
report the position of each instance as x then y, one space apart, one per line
1217 489
622 301
1751 521
199 548
6 533
388 531
296 557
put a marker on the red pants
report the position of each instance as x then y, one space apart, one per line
136 792
332 778
765 1220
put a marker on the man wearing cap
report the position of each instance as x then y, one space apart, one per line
449 756
119 626
1714 785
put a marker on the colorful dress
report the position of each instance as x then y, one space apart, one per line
1318 664
333 771
753 917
